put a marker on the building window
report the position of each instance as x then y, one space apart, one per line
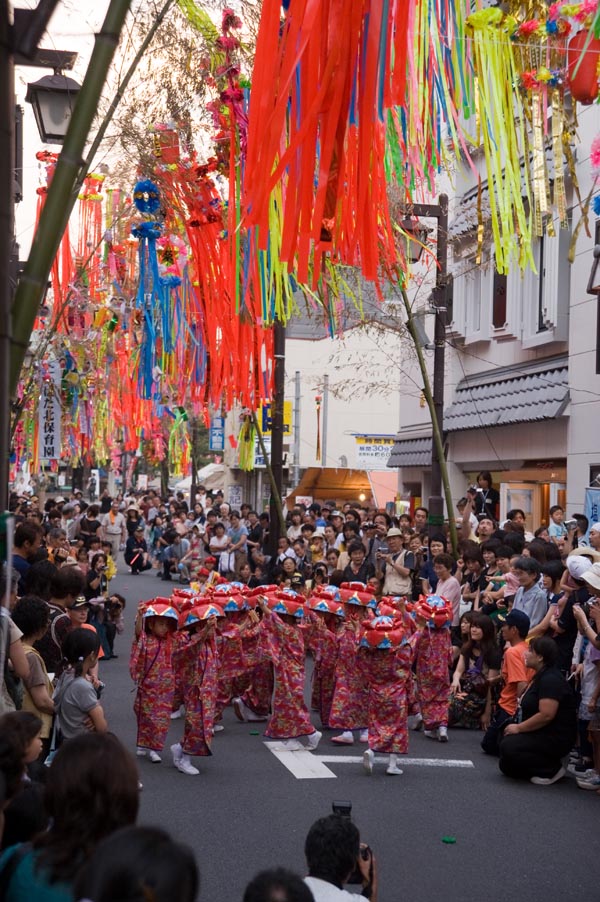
499 300
542 324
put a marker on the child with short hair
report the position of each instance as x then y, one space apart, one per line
556 528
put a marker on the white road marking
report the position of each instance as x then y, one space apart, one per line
305 765
418 762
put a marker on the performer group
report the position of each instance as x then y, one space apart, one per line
378 668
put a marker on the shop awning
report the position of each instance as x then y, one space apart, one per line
504 397
411 452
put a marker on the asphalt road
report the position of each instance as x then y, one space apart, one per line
246 811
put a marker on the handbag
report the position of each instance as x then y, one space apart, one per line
474 682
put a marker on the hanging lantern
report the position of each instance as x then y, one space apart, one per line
582 66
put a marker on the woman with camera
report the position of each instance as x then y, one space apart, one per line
96 582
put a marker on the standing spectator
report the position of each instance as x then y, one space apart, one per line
447 585
237 534
429 579
133 519
359 569
32 616
421 516
27 542
486 499
295 528
89 525
113 529
556 528
65 586
397 577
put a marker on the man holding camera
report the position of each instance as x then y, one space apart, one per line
335 856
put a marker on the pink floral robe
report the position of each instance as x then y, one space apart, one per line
283 645
197 663
433 656
255 687
349 707
323 643
231 666
151 668
386 673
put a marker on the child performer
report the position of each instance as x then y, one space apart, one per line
232 674
384 663
281 641
433 657
196 662
349 707
151 669
326 612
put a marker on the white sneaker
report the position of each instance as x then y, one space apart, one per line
313 740
345 738
154 757
218 728
414 721
292 745
548 781
443 734
179 713
141 753
392 768
368 761
186 766
177 753
364 736
431 734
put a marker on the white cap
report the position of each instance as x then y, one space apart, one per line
578 565
595 527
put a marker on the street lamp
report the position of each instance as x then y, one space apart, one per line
53 99
415 237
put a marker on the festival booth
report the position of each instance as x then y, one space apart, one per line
369 487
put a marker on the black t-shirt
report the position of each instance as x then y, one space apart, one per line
550 683
486 502
566 641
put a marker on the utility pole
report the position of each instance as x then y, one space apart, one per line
275 524
297 395
436 502
7 115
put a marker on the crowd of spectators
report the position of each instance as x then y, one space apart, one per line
525 670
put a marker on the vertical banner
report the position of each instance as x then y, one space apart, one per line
50 414
592 505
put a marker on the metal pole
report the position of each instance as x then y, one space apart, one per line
7 114
325 413
296 428
436 503
275 508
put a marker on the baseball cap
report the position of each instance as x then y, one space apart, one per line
394 532
592 576
336 514
518 619
80 602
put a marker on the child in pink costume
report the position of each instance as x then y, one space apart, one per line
432 649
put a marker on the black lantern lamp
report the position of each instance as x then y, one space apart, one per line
53 99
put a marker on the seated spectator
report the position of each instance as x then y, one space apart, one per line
139 863
533 748
515 677
91 790
530 597
333 850
278 885
137 555
476 672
